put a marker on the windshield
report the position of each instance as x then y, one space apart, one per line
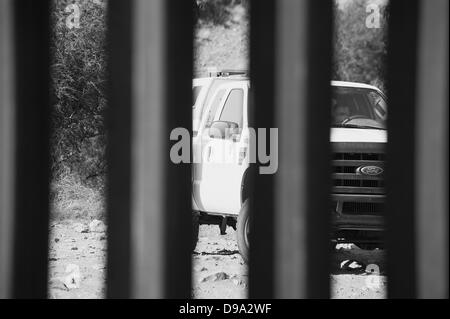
358 108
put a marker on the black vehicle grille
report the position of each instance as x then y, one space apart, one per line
358 180
355 208
347 178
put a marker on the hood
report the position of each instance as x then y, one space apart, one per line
356 135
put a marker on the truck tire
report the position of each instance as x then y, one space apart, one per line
195 228
243 227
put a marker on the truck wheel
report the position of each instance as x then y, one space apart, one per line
195 227
243 231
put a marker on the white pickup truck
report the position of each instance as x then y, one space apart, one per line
358 137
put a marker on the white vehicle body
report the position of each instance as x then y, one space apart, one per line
220 164
218 171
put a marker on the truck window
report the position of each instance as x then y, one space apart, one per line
195 92
214 105
379 105
364 107
233 108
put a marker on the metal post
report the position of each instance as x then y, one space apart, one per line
261 115
149 198
32 135
7 132
400 177
431 170
296 204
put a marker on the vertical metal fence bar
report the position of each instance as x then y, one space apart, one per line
32 169
400 179
7 131
177 112
148 167
300 194
152 229
119 148
261 115
291 215
431 172
318 150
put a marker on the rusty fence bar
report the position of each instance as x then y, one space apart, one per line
149 201
431 144
298 206
24 170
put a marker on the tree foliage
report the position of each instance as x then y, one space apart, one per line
78 73
217 12
359 52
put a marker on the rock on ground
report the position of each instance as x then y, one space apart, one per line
218 269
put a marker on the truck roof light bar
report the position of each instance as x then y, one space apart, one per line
214 72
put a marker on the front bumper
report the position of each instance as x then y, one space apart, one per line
357 222
361 222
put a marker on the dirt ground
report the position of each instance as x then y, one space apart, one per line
87 250
77 260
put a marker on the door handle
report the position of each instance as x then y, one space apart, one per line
242 154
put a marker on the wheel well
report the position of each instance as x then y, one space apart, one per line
245 189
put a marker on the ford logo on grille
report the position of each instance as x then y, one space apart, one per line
369 170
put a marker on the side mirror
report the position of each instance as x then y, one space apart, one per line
223 129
